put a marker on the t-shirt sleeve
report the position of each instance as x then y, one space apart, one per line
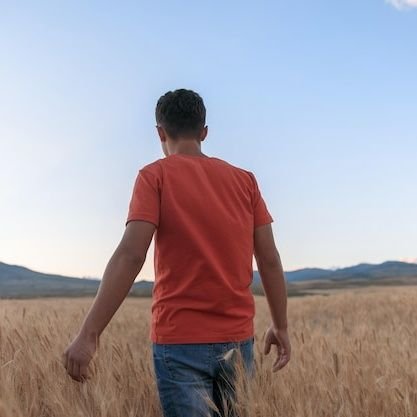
145 201
261 215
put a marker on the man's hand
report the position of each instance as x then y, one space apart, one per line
280 338
78 355
121 270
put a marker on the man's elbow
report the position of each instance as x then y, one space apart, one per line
130 257
269 260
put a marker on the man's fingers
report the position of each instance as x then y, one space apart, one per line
69 367
277 364
283 357
76 370
64 360
283 361
277 359
73 369
84 372
267 346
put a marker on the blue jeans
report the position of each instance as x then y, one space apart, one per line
185 372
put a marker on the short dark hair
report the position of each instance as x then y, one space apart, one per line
181 113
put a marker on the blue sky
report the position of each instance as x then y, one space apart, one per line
318 99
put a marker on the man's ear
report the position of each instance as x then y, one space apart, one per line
161 133
204 133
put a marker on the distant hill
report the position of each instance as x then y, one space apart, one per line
307 279
20 282
389 269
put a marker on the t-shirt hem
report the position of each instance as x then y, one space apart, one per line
262 222
143 218
206 339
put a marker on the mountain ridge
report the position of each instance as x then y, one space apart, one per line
21 282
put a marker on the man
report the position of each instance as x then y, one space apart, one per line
209 219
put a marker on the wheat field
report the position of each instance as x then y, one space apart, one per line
353 354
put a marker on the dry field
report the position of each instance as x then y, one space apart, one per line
354 354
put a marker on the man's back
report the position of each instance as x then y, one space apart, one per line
205 210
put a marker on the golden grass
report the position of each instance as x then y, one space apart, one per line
354 354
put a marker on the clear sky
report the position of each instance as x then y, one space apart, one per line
317 98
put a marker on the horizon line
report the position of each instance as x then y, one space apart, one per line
411 261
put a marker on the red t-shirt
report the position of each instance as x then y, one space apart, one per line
205 210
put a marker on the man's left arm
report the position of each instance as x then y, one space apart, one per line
119 275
